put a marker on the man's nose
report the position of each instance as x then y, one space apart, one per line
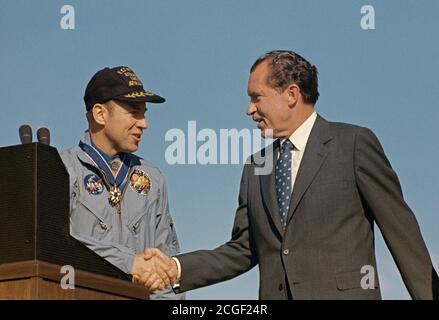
251 109
143 123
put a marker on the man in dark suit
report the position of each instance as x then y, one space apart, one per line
309 224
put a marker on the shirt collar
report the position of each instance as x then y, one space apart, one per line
299 138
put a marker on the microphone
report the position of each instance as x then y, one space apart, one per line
25 132
43 136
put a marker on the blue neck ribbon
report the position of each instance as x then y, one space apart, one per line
101 163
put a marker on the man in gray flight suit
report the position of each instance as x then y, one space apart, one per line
118 201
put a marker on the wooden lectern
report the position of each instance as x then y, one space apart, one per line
35 241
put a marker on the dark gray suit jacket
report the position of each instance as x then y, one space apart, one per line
344 186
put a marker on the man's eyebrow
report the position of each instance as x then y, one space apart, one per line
253 94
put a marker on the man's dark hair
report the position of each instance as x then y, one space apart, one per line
287 67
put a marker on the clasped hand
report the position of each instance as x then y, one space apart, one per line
154 269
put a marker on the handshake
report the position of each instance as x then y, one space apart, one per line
154 270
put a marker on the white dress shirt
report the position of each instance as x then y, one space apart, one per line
299 138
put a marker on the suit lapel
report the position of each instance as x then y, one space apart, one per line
315 154
268 190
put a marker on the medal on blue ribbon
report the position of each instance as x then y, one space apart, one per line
114 180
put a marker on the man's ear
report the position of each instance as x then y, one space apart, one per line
99 114
293 92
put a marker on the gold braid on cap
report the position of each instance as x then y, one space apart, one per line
139 94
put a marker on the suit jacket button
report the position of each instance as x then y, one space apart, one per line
286 252
281 287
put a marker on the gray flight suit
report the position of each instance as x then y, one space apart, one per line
144 220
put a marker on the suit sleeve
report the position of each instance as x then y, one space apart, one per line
205 267
382 196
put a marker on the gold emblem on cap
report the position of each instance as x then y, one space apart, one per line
140 182
133 83
127 72
124 70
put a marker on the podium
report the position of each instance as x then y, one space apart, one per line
35 241
39 280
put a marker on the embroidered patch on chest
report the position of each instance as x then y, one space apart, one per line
93 184
140 182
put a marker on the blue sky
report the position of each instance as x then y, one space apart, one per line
197 54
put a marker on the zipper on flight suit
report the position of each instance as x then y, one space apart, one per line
118 207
